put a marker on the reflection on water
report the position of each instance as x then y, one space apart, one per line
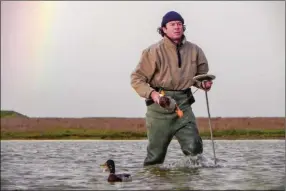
75 165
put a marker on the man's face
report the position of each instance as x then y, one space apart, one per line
174 30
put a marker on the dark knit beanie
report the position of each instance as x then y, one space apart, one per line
171 16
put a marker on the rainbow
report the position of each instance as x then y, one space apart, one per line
28 29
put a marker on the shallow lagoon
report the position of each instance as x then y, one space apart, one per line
47 165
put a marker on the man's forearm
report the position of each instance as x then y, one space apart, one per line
140 85
143 73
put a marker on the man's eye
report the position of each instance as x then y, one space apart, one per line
174 24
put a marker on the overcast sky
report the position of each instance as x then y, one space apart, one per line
74 59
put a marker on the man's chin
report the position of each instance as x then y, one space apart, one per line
177 37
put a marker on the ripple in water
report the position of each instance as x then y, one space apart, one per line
56 165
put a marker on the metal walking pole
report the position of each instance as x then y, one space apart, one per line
211 131
201 78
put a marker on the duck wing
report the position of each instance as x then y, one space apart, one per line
124 177
114 178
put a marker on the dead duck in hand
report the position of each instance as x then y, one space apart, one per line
110 166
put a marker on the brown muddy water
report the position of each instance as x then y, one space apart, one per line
59 165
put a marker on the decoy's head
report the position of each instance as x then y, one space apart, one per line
109 165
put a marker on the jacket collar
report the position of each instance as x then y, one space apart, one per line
169 43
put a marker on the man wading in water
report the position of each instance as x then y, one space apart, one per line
170 65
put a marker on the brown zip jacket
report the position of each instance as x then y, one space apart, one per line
160 65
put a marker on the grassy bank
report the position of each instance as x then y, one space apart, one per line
127 135
8 113
15 125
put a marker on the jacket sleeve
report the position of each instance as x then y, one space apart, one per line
143 73
202 65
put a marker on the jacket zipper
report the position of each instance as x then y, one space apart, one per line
179 56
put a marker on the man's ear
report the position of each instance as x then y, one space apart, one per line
164 29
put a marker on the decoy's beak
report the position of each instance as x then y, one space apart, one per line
104 166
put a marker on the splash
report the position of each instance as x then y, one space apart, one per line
193 162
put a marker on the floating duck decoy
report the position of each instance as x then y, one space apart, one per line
109 165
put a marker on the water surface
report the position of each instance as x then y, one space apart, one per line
48 165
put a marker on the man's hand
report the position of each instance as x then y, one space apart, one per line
206 85
155 96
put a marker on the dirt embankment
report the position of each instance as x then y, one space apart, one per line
134 124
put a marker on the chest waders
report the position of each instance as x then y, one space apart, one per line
162 125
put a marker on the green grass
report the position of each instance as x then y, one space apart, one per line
244 133
74 134
77 133
7 113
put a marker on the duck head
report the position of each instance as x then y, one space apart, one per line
109 165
